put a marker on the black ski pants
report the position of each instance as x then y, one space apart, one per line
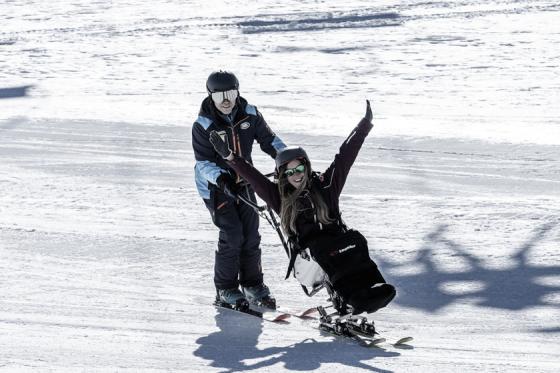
238 257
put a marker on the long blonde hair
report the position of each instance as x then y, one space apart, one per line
290 207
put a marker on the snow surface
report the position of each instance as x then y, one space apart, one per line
106 250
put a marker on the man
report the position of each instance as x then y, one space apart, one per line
238 257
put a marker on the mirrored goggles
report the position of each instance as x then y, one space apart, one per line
296 170
219 97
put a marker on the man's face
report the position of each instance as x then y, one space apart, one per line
225 101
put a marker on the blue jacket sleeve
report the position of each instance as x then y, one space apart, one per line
205 155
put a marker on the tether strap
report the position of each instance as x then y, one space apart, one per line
293 255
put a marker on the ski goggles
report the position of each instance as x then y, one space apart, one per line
296 170
219 97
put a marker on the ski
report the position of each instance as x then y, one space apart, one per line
378 339
346 333
275 316
307 314
357 328
271 314
354 328
402 341
262 313
364 340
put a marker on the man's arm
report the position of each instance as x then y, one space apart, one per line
264 188
205 156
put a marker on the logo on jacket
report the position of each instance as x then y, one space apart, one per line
245 125
340 251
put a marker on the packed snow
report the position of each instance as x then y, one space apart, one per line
106 249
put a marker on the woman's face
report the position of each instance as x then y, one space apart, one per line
295 172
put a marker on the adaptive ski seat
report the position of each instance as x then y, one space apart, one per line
352 275
340 263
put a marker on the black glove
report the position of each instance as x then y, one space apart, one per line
221 147
369 115
227 184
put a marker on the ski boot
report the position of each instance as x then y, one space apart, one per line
260 296
232 298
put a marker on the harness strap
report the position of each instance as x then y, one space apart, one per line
294 252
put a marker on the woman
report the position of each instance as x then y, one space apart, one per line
308 205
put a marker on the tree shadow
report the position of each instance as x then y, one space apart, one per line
13 92
515 287
550 330
234 347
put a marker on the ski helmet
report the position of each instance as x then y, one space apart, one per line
221 81
287 154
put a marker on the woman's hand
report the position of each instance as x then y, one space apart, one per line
369 115
221 147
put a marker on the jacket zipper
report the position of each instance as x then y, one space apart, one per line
237 143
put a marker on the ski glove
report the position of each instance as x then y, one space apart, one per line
369 115
221 146
227 184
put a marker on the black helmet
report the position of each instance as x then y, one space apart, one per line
221 81
287 154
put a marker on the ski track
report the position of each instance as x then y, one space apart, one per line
415 69
106 254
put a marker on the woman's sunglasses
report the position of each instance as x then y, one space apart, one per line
296 170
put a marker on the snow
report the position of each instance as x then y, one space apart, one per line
106 250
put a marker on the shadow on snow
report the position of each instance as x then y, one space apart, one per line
515 287
234 348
